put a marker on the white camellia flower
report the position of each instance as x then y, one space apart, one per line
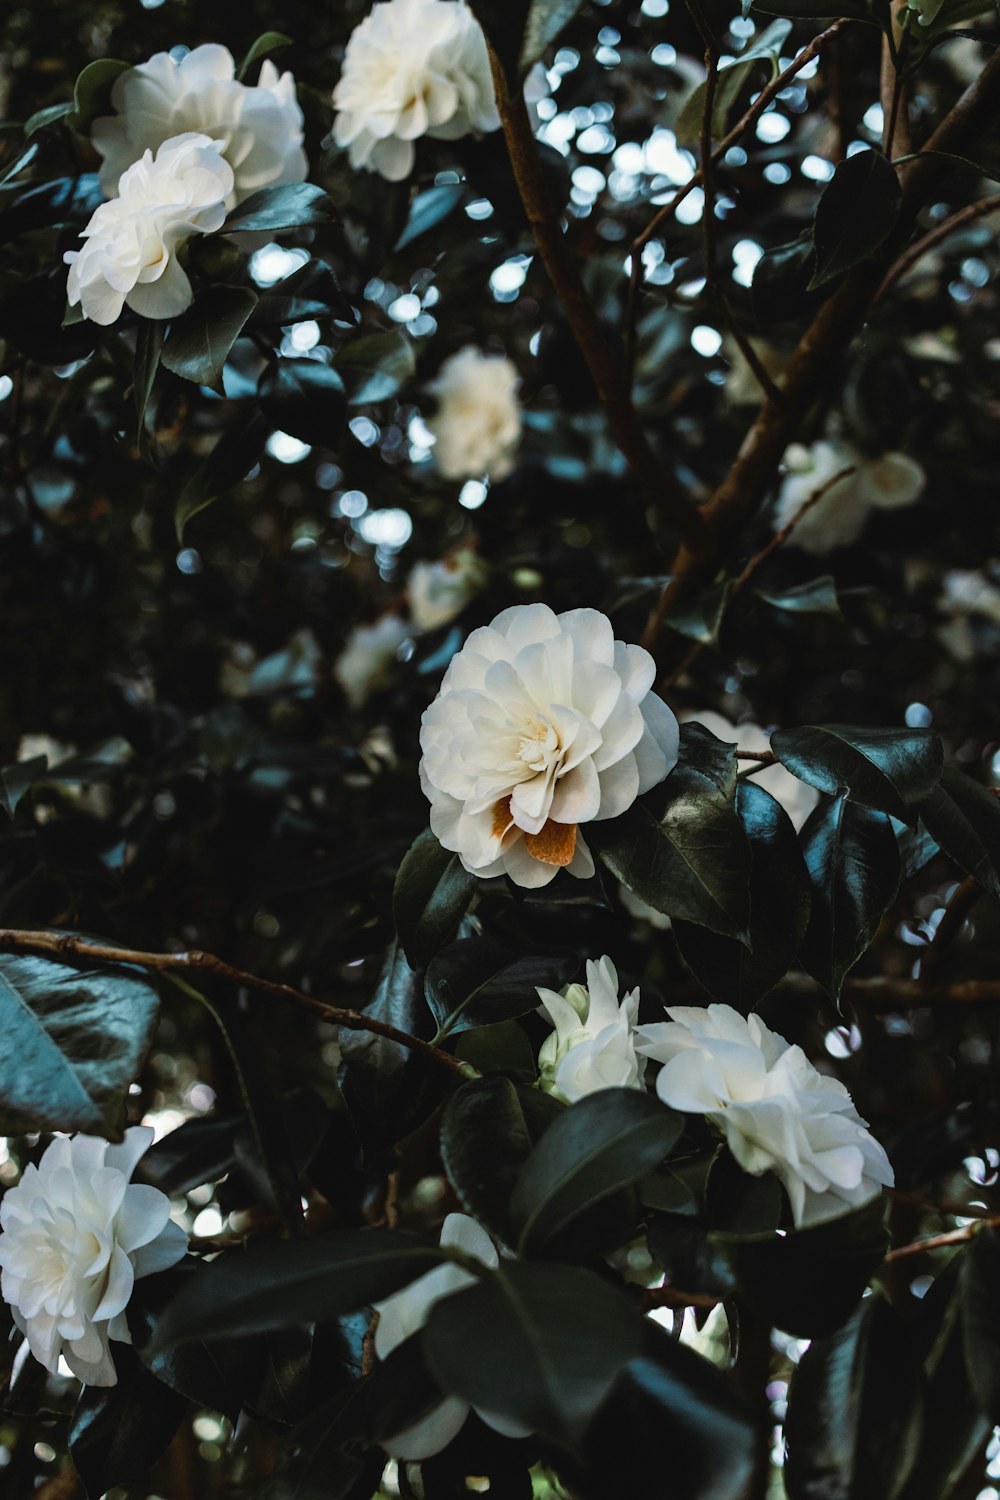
77 1235
543 723
258 127
368 653
412 68
776 1110
838 519
437 591
405 1313
130 255
477 426
795 796
593 1044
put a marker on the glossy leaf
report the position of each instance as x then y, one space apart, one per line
430 896
853 863
148 348
92 92
479 981
731 79
306 398
293 205
375 366
18 778
429 209
74 1040
856 213
892 770
266 43
488 1130
312 291
116 1433
964 819
232 458
818 597
201 340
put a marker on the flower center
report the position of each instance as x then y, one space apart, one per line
539 746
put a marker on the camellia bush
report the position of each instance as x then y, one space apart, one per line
500 830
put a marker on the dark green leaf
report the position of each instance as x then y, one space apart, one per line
478 981
379 1074
117 1432
201 340
286 1282
148 346
43 117
488 1129
312 291
502 1048
701 620
780 898
738 1203
291 206
818 597
853 863
269 41
375 366
429 209
232 458
306 398
542 1345
546 20
780 289
17 779
605 1142
808 1281
856 213
92 92
731 79
74 1039
892 770
682 848
51 205
964 818
431 894
980 1297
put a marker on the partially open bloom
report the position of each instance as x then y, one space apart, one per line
437 591
77 1235
776 1110
795 796
477 426
406 1312
593 1044
367 655
838 519
543 723
130 257
412 68
259 128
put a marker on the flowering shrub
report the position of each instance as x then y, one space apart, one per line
499 829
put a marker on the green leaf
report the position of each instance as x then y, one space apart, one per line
488 1130
682 848
74 1040
282 1283
375 366
269 41
547 19
312 291
232 458
306 398
854 1410
501 1048
816 10
738 1203
293 205
780 897
891 770
856 213
701 620
783 1274
479 981
818 597
19 778
605 1142
853 863
430 897
148 347
201 339
541 1345
980 1300
731 79
92 92
429 209
964 818
117 1432
43 117
780 291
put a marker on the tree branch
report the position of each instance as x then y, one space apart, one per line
934 237
67 944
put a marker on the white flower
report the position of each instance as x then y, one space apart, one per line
367 654
437 591
543 722
477 426
795 796
259 128
76 1237
593 1044
742 386
405 1313
972 593
776 1110
838 519
130 256
412 68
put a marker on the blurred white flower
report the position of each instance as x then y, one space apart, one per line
642 911
259 127
437 591
967 592
838 519
412 68
776 1110
543 722
76 1237
368 652
130 255
742 386
405 1313
795 796
593 1044
477 426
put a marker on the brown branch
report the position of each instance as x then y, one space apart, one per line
940 1241
934 237
67 944
656 485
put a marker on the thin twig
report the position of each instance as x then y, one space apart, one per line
940 1241
933 237
67 944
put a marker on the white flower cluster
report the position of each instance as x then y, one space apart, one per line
543 723
412 68
838 519
593 1044
77 1235
477 426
